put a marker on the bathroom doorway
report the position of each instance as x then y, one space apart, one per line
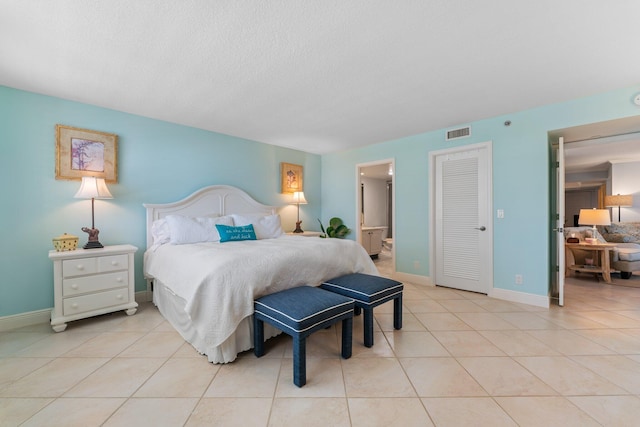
376 209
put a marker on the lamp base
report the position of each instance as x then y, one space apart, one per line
298 228
93 242
93 245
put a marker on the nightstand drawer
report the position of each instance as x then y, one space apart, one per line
79 267
113 263
91 302
100 282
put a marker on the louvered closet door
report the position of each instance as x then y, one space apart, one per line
463 213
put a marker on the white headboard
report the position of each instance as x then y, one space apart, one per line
215 200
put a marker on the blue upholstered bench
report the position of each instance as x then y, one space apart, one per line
369 292
299 312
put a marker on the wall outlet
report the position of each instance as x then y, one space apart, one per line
500 213
519 279
416 265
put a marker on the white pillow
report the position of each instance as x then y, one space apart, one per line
185 229
246 219
160 232
266 227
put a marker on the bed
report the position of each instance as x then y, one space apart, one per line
205 289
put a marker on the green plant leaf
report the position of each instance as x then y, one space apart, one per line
324 233
335 222
341 231
335 229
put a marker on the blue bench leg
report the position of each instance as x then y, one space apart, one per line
299 361
347 335
368 327
258 337
356 311
397 312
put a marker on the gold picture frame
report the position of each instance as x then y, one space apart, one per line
84 152
291 177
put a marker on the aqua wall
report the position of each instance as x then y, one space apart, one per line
521 171
161 162
158 162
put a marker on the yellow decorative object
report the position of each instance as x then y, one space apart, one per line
65 242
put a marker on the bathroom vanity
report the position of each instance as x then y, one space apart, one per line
371 239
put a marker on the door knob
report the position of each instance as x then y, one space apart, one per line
481 228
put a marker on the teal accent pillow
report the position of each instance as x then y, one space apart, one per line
234 234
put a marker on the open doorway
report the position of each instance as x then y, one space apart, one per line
376 212
594 158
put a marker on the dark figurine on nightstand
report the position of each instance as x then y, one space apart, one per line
93 242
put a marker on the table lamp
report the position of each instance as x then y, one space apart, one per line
594 217
298 199
93 188
619 200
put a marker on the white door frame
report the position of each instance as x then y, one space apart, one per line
559 223
432 205
358 226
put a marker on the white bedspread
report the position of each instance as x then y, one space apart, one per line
219 281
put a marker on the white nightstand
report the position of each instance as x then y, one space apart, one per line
305 234
89 282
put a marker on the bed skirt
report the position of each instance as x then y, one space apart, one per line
172 309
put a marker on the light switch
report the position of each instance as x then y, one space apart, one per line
500 213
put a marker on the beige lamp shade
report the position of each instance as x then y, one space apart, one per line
93 188
594 217
298 198
619 200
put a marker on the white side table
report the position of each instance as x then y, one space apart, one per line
90 282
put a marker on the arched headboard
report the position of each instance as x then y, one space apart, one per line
214 200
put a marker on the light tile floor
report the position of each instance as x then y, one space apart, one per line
461 359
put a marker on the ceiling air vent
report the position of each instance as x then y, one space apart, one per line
458 133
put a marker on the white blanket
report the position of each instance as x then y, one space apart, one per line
219 281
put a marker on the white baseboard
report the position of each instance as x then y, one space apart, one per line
520 297
412 278
21 320
497 293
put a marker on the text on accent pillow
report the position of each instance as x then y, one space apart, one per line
235 233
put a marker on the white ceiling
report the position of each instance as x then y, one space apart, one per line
595 146
591 149
597 155
319 76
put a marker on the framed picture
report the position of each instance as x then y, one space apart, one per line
84 152
291 177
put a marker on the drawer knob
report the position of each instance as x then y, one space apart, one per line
114 262
74 286
80 267
74 305
119 279
119 296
